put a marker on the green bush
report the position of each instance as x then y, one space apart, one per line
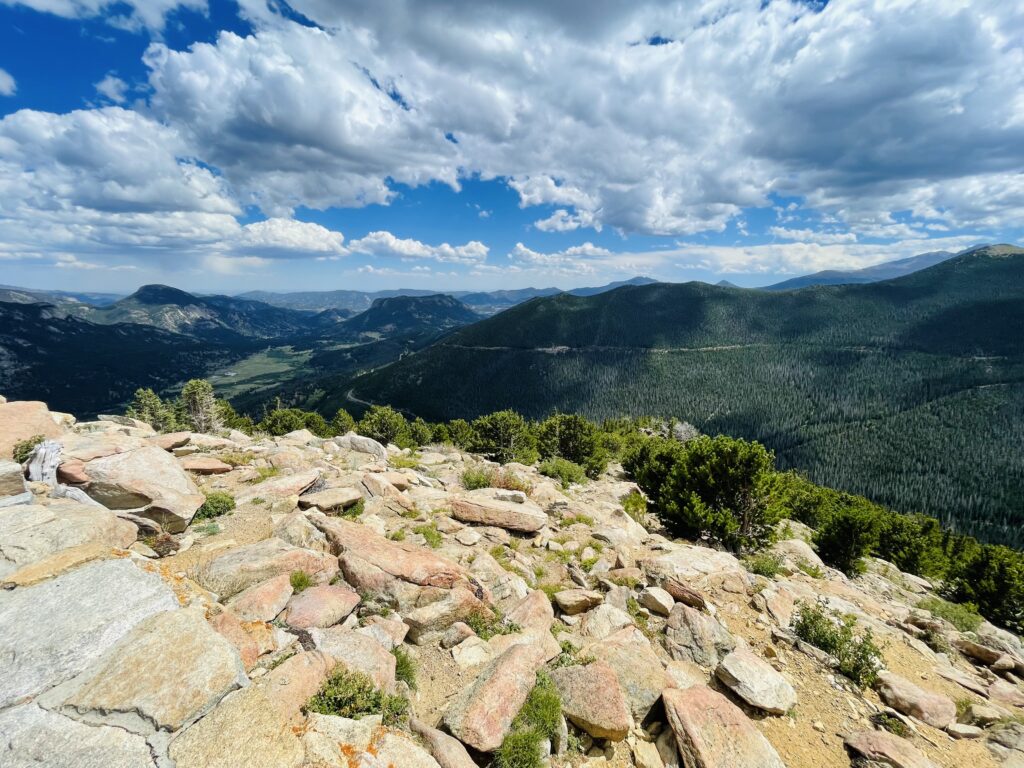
913 543
847 537
792 495
429 532
992 578
405 666
460 433
354 511
563 470
420 432
520 749
573 438
764 564
477 477
342 423
148 407
635 505
504 436
859 658
890 723
300 580
23 448
281 421
353 695
385 425
963 617
714 487
217 503
487 624
540 718
316 424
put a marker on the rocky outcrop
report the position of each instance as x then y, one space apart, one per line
593 700
321 606
241 568
712 732
22 420
694 636
903 696
485 507
331 499
884 749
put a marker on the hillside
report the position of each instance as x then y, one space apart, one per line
220 600
403 315
888 270
908 391
220 318
87 368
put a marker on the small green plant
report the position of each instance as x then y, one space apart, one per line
539 719
23 449
398 535
217 503
936 641
765 564
488 624
587 564
430 533
963 616
570 655
357 509
474 478
577 519
635 505
237 458
264 473
353 695
405 462
859 658
963 707
281 660
258 501
207 529
405 666
477 477
890 723
564 471
300 580
811 569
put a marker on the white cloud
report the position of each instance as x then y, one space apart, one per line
7 85
113 88
386 244
125 14
574 260
812 235
287 238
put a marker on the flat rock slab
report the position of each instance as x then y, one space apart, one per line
31 737
241 568
902 695
204 465
756 682
84 612
407 562
657 600
23 419
353 442
637 667
481 714
321 606
482 508
263 601
147 478
573 601
446 750
699 567
593 700
167 672
280 487
331 499
603 621
30 532
884 748
170 440
712 732
357 652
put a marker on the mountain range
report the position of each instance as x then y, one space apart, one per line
885 271
910 391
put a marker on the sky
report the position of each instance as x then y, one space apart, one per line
480 144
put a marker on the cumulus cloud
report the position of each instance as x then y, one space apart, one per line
8 87
574 260
113 88
386 244
125 14
287 238
813 236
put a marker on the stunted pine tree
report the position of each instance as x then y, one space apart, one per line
200 406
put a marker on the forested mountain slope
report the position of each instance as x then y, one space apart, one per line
909 391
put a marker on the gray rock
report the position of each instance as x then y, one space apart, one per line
31 737
482 507
12 478
353 442
755 681
657 600
694 636
84 613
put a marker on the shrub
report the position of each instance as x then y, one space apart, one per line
520 749
429 532
964 617
420 432
300 580
792 495
811 569
635 505
859 658
477 477
385 425
992 578
148 407
353 695
264 473
488 477
573 438
504 436
281 421
487 624
316 424
460 433
714 488
648 461
217 503
575 519
847 537
342 423
23 448
540 718
563 470
354 511
913 543
405 666
765 564
890 723
200 406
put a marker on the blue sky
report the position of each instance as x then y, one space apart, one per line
222 146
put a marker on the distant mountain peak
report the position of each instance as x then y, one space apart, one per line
161 294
